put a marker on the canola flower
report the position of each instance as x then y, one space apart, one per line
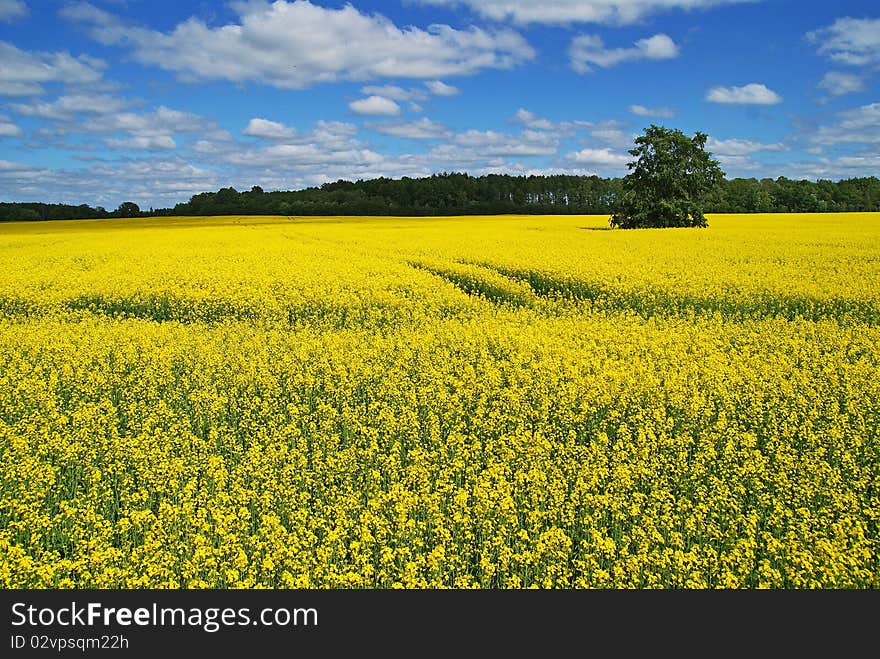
498 402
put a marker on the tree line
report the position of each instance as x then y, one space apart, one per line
36 211
462 194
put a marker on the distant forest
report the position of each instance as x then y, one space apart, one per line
461 194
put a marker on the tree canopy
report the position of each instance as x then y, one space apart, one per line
669 182
461 194
128 209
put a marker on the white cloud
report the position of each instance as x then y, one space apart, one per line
736 147
211 147
161 122
451 157
69 106
333 134
528 118
864 164
19 88
854 41
150 130
837 83
857 126
23 73
8 128
491 143
412 94
270 130
610 133
12 9
588 49
599 157
734 165
395 93
375 106
303 154
422 129
560 12
7 166
294 45
751 94
329 143
642 111
142 143
440 88
146 181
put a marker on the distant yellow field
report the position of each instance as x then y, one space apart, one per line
506 401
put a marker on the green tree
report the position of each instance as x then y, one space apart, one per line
128 209
21 214
668 182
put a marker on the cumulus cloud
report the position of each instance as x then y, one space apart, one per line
751 94
152 130
642 111
609 132
303 154
561 12
266 129
856 126
23 73
375 106
333 134
294 45
602 158
162 121
734 165
8 128
837 83
395 93
612 133
7 166
854 41
422 129
493 143
69 106
142 143
736 147
440 88
20 88
528 118
146 181
328 143
588 49
862 164
212 147
12 9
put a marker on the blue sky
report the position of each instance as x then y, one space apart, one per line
153 101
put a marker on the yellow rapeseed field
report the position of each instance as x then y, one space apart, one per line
482 402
